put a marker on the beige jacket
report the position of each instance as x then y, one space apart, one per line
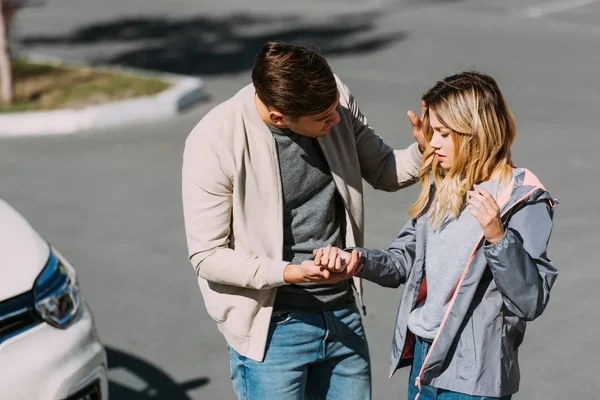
233 206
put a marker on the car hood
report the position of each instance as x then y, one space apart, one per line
23 253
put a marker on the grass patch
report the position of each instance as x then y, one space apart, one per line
49 87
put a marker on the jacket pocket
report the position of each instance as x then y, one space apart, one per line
218 299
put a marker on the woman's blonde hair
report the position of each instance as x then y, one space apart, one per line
483 129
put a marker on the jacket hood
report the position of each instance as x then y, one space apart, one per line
524 186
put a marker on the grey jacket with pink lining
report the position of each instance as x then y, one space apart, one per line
503 285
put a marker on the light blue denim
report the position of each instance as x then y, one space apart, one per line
430 392
317 355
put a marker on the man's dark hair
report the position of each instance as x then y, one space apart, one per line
294 80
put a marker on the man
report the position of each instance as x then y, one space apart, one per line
269 175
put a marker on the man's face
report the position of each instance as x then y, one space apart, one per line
315 125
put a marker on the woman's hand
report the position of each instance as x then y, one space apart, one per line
330 265
337 260
487 212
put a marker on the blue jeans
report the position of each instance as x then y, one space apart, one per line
310 355
430 392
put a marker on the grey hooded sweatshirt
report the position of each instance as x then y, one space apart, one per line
503 285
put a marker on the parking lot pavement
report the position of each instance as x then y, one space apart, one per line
110 200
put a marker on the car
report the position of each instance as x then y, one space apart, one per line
49 346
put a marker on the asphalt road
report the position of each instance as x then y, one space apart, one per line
110 200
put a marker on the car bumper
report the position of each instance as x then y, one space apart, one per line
49 363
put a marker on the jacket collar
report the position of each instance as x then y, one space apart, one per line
251 118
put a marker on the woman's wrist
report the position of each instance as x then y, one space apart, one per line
495 238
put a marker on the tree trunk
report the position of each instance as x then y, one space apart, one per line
6 80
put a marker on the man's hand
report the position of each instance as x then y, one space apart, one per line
308 272
417 126
338 260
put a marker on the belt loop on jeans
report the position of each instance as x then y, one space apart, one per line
425 340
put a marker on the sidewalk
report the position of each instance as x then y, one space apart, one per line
186 91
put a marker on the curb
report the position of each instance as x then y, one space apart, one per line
186 90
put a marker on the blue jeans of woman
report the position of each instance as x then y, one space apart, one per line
430 392
310 355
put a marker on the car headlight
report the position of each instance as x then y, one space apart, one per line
56 292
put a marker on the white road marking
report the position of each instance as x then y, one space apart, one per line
553 7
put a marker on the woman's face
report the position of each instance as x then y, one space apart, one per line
441 142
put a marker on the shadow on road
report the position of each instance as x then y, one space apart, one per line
214 46
131 378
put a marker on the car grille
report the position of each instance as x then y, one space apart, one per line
17 315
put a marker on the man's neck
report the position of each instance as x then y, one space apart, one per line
262 109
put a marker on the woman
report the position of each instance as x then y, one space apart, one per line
478 232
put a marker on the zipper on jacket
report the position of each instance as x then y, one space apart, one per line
418 379
359 292
275 156
453 300
363 307
418 383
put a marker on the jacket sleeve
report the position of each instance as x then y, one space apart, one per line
381 166
390 268
207 192
519 263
